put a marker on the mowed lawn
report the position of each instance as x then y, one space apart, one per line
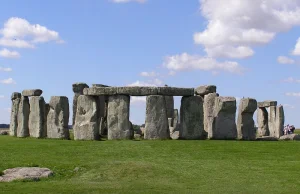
154 166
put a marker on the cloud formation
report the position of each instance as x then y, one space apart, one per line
8 81
7 69
291 80
9 54
294 94
285 60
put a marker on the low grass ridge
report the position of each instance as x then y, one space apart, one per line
205 166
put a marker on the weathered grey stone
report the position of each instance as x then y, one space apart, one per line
224 126
15 95
245 122
175 120
118 124
206 89
103 127
272 121
15 98
262 122
86 126
34 92
137 136
23 117
37 117
175 135
99 85
4 132
170 123
58 118
267 103
295 137
78 90
279 122
170 106
267 138
47 109
191 118
208 112
156 122
138 91
20 173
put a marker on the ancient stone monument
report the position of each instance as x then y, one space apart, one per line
78 90
23 117
245 121
15 98
58 118
37 120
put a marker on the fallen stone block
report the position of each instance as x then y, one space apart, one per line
206 89
156 122
58 118
267 138
21 173
295 137
191 118
34 92
175 135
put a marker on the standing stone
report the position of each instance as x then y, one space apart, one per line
156 122
86 122
279 123
23 117
78 90
245 122
175 120
170 106
34 92
15 98
191 118
224 126
58 118
208 112
118 123
37 117
272 120
262 122
47 109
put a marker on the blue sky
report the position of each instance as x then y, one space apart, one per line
247 48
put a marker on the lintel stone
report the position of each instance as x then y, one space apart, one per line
267 103
33 92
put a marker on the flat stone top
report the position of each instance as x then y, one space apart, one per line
206 89
139 91
32 92
267 103
15 95
25 173
99 85
79 86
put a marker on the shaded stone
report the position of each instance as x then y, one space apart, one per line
170 106
4 132
245 122
191 118
174 91
13 127
78 90
267 138
262 122
47 109
208 113
99 85
137 136
23 117
37 117
224 126
267 103
295 137
272 120
206 89
103 127
20 173
86 123
100 91
118 124
34 92
175 120
58 118
156 122
279 122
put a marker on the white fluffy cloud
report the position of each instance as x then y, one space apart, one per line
291 80
148 74
154 83
18 32
7 69
294 94
8 81
285 60
127 1
246 24
296 50
185 62
9 54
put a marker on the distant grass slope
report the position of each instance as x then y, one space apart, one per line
154 166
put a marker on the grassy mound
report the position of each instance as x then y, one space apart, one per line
154 166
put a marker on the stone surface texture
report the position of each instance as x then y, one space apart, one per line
21 173
245 122
58 118
156 122
36 122
267 103
206 89
272 121
279 122
224 125
118 124
262 122
23 117
191 118
78 90
208 113
290 137
34 92
15 98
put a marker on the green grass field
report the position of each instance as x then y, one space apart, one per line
154 166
